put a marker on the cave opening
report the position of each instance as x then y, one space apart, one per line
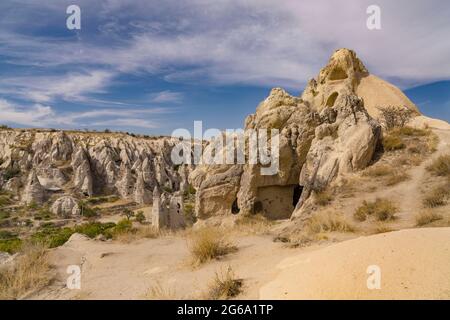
234 207
296 195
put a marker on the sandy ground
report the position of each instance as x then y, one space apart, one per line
112 270
414 264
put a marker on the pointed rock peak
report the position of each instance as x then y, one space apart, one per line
343 64
156 192
33 178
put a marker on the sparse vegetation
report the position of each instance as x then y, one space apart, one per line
224 286
140 217
158 292
10 173
392 142
207 244
323 198
427 217
29 272
396 178
253 224
437 196
380 209
328 221
11 245
395 116
440 166
392 175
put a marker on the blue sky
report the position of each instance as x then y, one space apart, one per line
154 66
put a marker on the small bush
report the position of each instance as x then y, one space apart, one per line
93 229
381 209
158 292
52 236
208 244
440 166
10 173
437 196
378 171
328 222
427 217
140 217
396 178
10 245
224 286
392 143
29 272
395 116
323 198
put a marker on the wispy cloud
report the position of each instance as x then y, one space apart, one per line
167 96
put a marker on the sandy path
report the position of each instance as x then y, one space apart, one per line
414 264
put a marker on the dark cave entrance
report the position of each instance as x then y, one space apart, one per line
234 207
296 195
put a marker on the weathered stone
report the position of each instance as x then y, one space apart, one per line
34 192
66 206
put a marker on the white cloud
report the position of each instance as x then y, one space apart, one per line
257 42
167 96
38 115
70 87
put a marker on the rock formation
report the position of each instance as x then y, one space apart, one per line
34 193
167 210
66 206
323 134
86 164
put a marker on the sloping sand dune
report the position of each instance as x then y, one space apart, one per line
414 264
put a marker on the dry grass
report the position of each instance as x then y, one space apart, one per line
396 178
254 224
378 171
224 286
437 196
323 198
427 217
382 229
380 209
391 175
207 244
408 160
328 221
440 166
29 272
392 142
159 292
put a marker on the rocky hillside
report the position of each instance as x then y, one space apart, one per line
331 130
40 166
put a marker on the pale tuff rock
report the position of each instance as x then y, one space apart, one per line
66 206
167 210
82 172
141 195
86 164
323 134
34 192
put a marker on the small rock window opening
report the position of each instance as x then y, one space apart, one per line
338 74
234 207
257 207
332 99
297 193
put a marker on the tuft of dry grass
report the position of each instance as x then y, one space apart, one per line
253 224
440 166
224 286
427 217
381 209
382 229
392 142
207 244
328 221
396 178
29 272
378 171
323 198
437 196
159 292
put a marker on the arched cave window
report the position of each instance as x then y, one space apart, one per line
332 99
297 193
234 207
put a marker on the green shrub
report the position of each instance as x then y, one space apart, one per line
52 237
93 229
140 217
11 245
6 235
10 173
